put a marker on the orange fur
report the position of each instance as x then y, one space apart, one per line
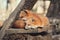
33 19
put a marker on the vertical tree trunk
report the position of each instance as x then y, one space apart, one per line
53 10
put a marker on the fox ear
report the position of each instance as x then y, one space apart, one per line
27 11
24 12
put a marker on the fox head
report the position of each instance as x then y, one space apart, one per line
25 14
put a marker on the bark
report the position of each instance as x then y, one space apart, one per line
54 8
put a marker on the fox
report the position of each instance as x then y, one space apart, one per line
33 20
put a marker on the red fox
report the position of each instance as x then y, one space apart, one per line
33 20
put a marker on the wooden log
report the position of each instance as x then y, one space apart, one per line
23 36
10 31
37 30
